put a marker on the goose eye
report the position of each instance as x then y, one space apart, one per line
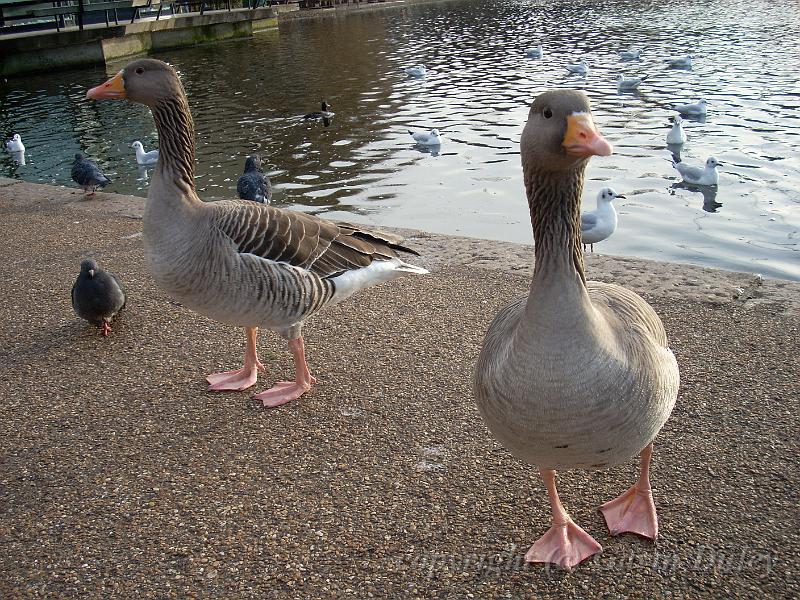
547 113
139 70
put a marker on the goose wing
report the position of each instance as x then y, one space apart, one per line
322 247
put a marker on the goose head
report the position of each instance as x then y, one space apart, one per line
560 134
146 81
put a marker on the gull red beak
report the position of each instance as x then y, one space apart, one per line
113 89
582 138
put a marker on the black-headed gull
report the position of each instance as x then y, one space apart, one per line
698 176
630 54
426 138
15 144
534 52
142 157
580 68
695 108
598 224
416 71
680 62
630 83
676 135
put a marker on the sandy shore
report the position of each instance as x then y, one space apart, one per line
122 477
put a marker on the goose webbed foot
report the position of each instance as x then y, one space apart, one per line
240 379
634 511
564 544
286 391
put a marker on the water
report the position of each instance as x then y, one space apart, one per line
246 97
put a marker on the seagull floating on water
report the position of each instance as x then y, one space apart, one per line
630 54
628 84
698 176
254 184
580 69
676 135
695 108
416 71
680 62
598 224
534 52
87 174
15 144
426 138
97 295
142 157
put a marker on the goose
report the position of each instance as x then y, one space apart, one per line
698 108
323 113
243 263
142 157
97 295
630 54
416 71
579 69
15 144
254 184
534 52
426 138
676 135
697 176
577 374
598 224
87 174
629 84
680 62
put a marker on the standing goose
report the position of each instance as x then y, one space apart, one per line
576 375
239 262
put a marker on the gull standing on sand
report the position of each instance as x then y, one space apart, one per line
705 176
144 158
599 224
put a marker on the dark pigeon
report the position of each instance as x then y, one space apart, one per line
87 174
254 184
97 295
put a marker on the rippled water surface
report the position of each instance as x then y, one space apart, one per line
246 97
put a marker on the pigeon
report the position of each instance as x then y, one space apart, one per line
680 62
87 174
676 135
597 225
698 176
426 138
97 295
254 184
579 69
629 84
15 144
630 54
534 52
416 71
695 108
142 157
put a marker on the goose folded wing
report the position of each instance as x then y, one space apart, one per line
301 240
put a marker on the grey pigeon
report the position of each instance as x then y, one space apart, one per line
97 295
87 174
254 184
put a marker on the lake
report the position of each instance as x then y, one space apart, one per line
248 95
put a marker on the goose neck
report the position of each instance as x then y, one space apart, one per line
176 142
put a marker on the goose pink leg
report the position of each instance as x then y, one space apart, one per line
240 379
286 391
634 511
565 544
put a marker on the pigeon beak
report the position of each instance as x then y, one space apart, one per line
582 138
113 89
91 273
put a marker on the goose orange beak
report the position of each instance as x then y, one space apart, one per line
582 138
113 89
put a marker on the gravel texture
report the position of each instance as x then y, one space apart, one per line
120 476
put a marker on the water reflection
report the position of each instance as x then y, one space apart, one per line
709 193
478 87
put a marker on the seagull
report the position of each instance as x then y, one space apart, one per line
426 138
254 184
534 52
680 62
630 54
696 108
580 69
597 225
698 176
676 135
629 84
142 157
97 295
416 71
15 144
87 174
